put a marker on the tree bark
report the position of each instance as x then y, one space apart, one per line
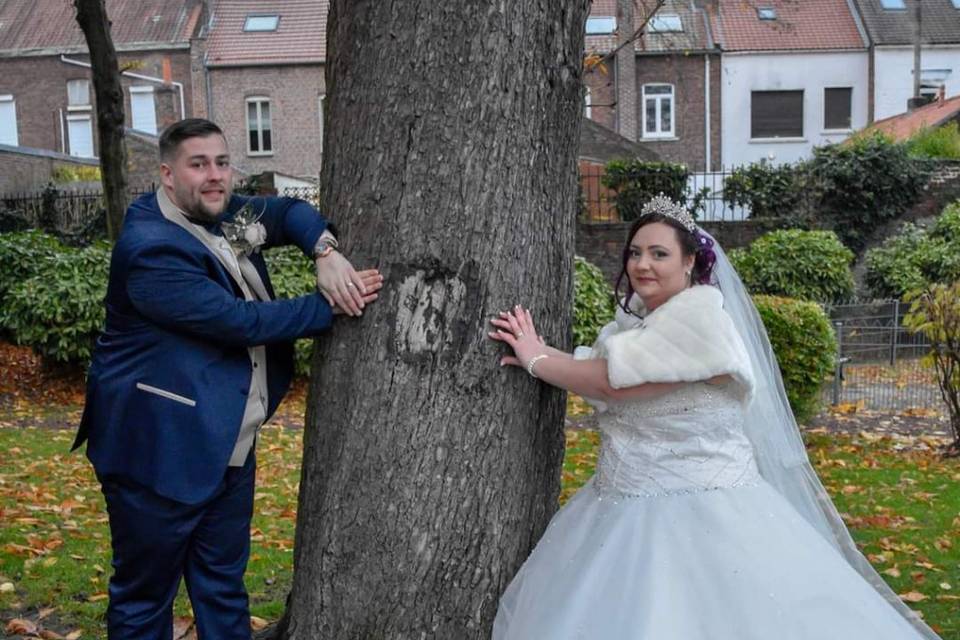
430 472
93 20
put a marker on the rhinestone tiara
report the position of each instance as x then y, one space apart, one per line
664 206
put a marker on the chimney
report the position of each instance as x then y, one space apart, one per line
167 72
626 72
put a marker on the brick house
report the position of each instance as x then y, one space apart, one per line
890 25
46 95
671 102
794 77
259 73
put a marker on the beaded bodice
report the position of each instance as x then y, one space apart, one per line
689 440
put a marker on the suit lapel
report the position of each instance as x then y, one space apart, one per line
241 269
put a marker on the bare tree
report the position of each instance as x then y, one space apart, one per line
430 472
93 20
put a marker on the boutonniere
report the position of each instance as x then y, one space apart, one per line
245 233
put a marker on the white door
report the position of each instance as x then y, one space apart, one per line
8 121
80 131
143 110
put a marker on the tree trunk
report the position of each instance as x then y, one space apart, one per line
93 20
430 472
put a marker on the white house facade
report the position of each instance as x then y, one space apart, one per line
893 76
778 106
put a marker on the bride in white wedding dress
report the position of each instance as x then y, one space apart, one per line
704 520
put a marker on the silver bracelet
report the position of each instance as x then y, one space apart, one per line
534 361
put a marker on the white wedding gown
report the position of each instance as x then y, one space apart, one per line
677 537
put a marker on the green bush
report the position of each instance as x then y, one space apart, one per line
59 311
22 255
808 265
292 275
593 302
636 182
805 346
768 191
916 258
939 142
864 183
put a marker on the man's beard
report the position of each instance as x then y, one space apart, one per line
197 208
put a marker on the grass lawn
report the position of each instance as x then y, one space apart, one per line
902 501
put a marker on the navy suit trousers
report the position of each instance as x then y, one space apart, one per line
156 541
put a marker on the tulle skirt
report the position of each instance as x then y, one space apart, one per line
728 564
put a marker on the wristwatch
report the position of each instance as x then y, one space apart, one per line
326 244
323 248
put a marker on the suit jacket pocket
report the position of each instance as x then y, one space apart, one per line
169 395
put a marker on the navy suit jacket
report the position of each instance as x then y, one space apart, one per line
169 377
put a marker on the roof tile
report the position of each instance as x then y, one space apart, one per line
803 25
940 22
902 126
693 37
46 24
301 35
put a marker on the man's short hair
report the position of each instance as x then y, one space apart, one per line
182 130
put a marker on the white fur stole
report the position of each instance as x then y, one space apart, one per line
688 338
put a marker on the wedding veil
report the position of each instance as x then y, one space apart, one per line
776 440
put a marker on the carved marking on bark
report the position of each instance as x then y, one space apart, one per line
427 303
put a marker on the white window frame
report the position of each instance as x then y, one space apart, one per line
262 22
601 25
78 106
142 89
766 13
659 98
588 104
15 141
886 5
74 150
665 23
259 100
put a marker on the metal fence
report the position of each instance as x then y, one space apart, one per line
78 217
879 360
704 192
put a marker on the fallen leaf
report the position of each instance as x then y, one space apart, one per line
21 627
913 596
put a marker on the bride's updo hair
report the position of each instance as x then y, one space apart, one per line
692 243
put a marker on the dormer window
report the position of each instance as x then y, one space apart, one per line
261 23
601 26
767 13
665 23
892 5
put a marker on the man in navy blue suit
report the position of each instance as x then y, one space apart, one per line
195 357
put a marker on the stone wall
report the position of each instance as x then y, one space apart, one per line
27 170
942 189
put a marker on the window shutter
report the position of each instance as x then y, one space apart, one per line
776 114
143 110
836 108
8 121
80 130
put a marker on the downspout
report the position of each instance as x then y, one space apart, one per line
208 88
63 132
138 76
706 111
